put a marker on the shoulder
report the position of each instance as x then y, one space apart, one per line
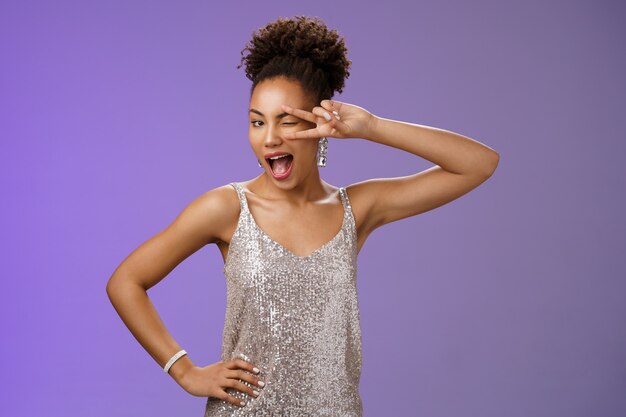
361 196
203 220
213 212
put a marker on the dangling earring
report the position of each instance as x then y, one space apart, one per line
259 162
322 150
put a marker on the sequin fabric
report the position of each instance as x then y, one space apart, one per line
296 318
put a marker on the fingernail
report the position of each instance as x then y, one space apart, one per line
256 393
256 370
242 403
326 116
261 383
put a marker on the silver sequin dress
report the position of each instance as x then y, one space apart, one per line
296 318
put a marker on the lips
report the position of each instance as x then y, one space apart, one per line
273 154
280 163
272 157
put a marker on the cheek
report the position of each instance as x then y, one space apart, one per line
309 151
254 138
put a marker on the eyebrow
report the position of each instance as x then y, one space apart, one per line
280 116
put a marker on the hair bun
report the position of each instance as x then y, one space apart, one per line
304 43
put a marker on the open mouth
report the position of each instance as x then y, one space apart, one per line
281 165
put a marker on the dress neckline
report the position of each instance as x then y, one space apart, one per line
281 246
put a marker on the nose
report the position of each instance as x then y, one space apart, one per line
272 136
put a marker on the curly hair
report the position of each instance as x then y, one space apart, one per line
300 48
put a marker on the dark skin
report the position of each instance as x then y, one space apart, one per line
301 213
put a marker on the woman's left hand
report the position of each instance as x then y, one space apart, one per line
343 120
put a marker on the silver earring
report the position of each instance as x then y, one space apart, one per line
322 151
259 162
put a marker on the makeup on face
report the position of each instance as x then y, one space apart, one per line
266 102
280 163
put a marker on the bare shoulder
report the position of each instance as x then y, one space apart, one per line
362 197
213 213
206 219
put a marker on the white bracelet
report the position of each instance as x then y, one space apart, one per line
173 359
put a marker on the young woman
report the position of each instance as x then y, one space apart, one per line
291 342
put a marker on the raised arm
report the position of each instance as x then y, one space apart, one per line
462 164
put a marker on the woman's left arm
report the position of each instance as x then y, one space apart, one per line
462 163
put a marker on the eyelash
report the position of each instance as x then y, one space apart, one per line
255 121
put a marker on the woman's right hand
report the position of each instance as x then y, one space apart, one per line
212 380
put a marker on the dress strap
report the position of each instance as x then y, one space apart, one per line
344 199
243 203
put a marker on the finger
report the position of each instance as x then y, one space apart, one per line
304 134
327 104
240 386
335 129
242 364
326 114
244 376
301 114
332 104
333 124
322 113
224 396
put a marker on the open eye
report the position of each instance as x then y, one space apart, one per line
284 124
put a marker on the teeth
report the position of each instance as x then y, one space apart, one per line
280 156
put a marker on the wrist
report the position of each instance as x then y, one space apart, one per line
373 124
178 370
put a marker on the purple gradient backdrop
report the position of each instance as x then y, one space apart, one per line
506 302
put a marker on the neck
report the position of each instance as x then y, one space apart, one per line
309 188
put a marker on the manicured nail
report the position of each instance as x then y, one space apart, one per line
242 403
256 370
326 116
261 383
256 393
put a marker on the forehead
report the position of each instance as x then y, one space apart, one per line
268 95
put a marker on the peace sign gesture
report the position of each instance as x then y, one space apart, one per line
334 119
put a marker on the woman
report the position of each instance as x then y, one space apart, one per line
292 341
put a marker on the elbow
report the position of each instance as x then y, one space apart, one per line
490 164
111 287
114 287
120 286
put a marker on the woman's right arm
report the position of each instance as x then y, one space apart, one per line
203 221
